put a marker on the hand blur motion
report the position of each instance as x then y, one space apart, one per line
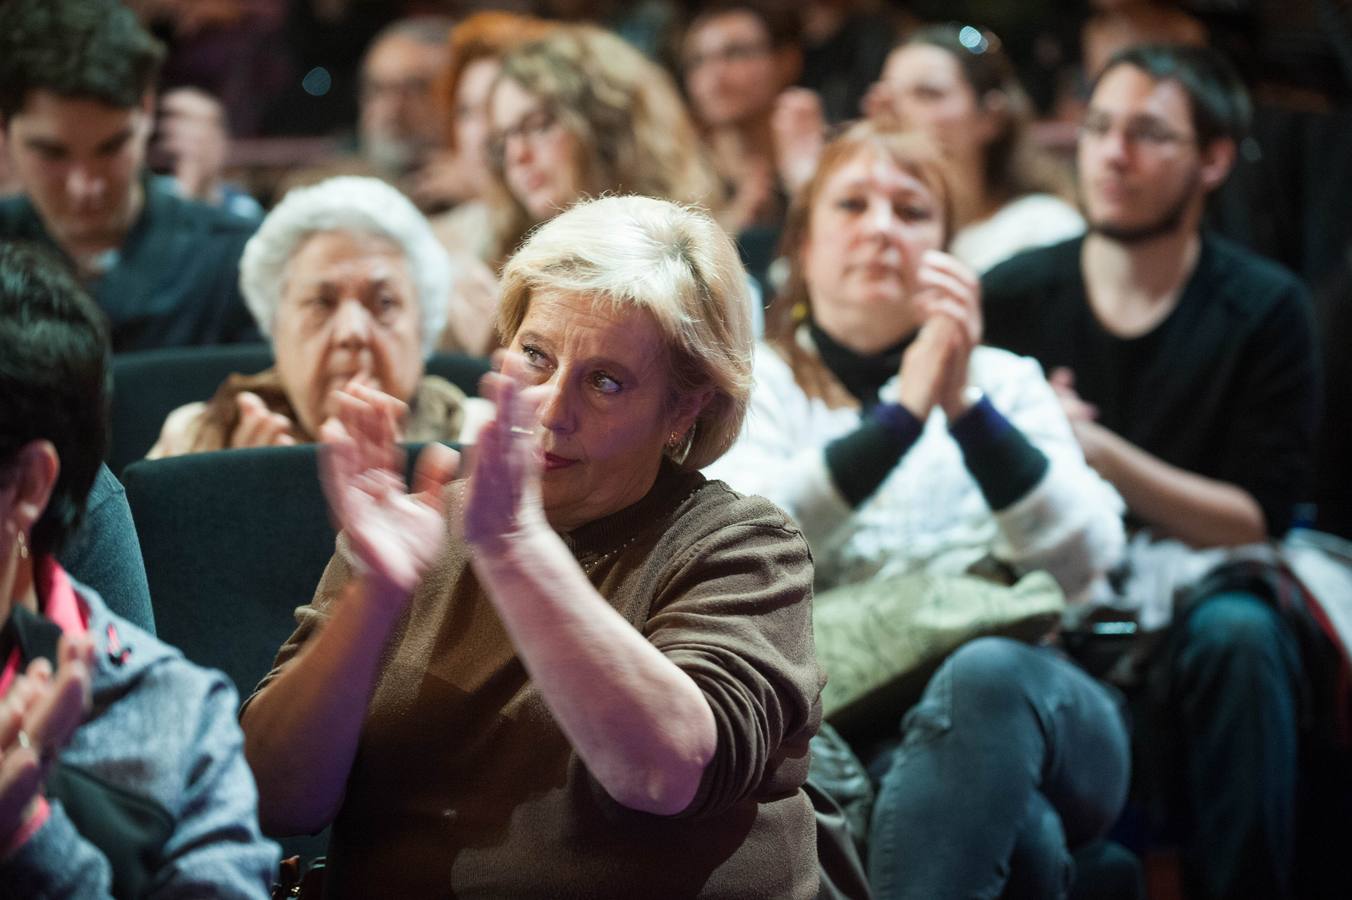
472 316
1083 416
443 181
394 533
880 105
934 367
798 125
47 707
193 135
753 201
504 487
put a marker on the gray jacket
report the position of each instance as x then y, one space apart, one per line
156 799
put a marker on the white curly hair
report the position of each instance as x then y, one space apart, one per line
355 205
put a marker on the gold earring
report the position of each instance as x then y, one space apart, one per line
674 439
23 544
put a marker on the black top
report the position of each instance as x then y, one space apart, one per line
1225 386
175 281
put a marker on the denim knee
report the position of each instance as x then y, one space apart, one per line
991 670
984 677
1237 631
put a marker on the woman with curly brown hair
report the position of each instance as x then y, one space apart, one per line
581 113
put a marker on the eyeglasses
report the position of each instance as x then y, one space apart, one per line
729 53
1137 132
533 127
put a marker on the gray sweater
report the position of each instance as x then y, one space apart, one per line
160 802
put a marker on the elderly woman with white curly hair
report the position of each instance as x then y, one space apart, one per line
350 285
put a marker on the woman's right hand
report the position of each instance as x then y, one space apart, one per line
395 535
934 368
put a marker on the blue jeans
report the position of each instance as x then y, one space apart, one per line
1235 667
1012 758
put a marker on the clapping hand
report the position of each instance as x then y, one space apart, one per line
1083 416
934 368
798 126
504 490
38 715
395 534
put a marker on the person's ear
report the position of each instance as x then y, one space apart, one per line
689 407
1218 158
35 470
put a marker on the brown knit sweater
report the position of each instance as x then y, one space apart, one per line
464 786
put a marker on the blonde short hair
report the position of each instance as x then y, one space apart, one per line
679 265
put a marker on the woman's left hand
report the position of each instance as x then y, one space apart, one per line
947 287
503 500
395 534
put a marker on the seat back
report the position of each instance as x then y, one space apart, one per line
233 542
147 386
462 371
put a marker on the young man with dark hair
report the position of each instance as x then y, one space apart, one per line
76 111
1187 367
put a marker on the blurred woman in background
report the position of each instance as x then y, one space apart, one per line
582 113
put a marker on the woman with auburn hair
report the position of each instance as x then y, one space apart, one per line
477 46
904 447
585 670
582 113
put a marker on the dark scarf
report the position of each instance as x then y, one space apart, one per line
862 376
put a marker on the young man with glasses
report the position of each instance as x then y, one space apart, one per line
736 58
1186 365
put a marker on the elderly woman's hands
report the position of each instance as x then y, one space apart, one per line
258 426
504 491
396 535
934 367
38 715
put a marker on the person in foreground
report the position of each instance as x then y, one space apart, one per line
905 447
347 280
122 770
584 670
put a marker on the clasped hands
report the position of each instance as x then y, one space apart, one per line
934 367
396 532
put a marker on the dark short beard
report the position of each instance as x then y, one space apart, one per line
1168 223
